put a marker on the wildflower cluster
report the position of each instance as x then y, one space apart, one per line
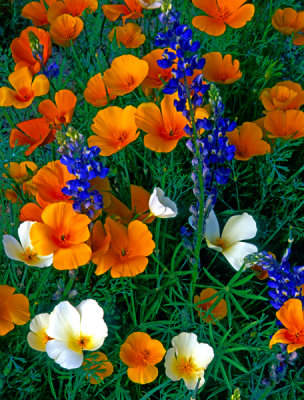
285 281
85 168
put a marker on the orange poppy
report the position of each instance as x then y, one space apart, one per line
97 367
36 12
131 10
35 132
14 309
292 317
11 196
75 8
129 35
288 21
32 211
63 233
49 181
96 92
288 124
260 273
164 127
140 353
298 39
25 89
139 207
218 312
126 73
65 29
221 69
248 142
155 73
284 95
115 129
222 12
62 111
22 51
126 249
20 172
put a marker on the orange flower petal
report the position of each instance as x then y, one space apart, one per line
212 26
291 315
72 257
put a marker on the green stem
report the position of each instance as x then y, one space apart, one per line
76 58
68 287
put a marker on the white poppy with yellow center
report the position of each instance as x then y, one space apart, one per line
237 228
74 329
188 360
25 252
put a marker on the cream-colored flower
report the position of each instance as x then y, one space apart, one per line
188 360
38 338
151 4
237 228
161 206
74 329
25 252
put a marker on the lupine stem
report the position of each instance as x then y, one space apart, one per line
200 223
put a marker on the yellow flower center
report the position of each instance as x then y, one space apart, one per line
29 255
221 243
142 356
186 367
83 341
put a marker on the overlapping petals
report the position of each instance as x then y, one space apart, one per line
221 69
164 127
221 12
237 228
288 124
292 317
35 132
115 129
65 29
25 89
96 93
140 353
217 312
130 35
248 142
14 309
127 72
123 250
63 232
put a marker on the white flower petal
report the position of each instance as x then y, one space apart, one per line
212 231
170 366
43 261
12 248
161 206
64 356
92 324
40 322
203 355
239 227
184 344
64 323
236 253
191 381
24 234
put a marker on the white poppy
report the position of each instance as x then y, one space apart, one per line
38 338
25 252
151 4
188 360
74 329
161 206
237 228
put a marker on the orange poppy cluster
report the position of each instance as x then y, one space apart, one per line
282 103
63 16
290 22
